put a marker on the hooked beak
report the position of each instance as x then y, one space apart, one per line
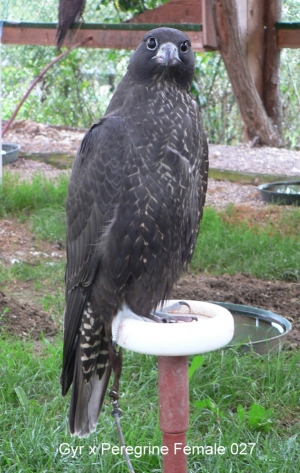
167 54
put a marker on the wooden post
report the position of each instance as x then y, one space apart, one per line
257 20
255 42
209 31
173 392
251 25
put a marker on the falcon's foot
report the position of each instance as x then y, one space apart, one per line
163 316
160 316
116 364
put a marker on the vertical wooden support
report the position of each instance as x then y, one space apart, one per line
259 126
257 20
173 393
242 14
271 83
209 30
255 43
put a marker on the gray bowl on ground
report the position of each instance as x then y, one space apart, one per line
256 329
11 153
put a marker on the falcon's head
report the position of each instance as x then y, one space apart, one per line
164 54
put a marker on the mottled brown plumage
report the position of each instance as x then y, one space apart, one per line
134 206
69 11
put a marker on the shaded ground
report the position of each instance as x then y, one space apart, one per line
23 319
17 243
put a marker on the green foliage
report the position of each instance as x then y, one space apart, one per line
23 399
290 10
257 417
197 362
209 405
77 90
213 93
290 96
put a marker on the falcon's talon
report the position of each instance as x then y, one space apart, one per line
176 306
166 318
114 396
163 315
114 400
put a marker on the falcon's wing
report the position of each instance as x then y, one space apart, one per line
68 12
91 203
199 163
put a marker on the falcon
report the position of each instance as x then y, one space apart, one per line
68 12
134 205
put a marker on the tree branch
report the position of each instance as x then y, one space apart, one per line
259 126
39 77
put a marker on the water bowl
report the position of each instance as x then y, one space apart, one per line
256 329
9 153
281 193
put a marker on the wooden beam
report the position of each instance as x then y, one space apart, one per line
288 38
287 25
102 38
288 34
104 26
175 11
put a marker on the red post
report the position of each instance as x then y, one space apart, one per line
173 395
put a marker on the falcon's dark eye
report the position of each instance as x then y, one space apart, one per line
184 47
151 43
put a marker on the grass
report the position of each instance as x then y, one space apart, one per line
21 197
261 250
49 223
247 404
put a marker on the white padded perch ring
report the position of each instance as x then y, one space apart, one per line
213 330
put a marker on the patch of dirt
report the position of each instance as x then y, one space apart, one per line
18 314
259 160
35 137
17 244
24 320
280 297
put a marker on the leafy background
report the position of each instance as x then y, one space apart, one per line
76 91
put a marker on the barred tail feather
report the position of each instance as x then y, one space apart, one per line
86 399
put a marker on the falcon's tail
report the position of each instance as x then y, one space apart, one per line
86 401
89 386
